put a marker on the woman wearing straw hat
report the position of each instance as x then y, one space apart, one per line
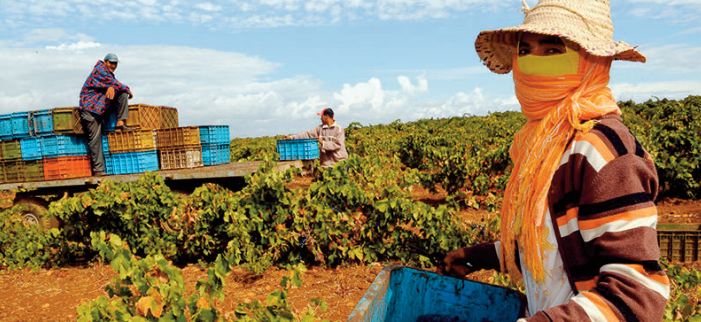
578 219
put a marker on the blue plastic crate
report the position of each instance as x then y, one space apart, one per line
214 134
406 294
213 154
6 127
63 145
42 122
105 145
31 149
20 125
131 162
298 149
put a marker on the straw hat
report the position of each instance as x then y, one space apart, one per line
584 22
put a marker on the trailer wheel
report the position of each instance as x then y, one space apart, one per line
35 211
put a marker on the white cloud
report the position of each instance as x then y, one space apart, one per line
474 102
75 46
238 14
676 11
445 74
408 87
50 36
367 96
208 6
674 57
216 87
643 91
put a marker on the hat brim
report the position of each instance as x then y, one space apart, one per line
495 48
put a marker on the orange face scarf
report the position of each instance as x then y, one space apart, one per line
556 107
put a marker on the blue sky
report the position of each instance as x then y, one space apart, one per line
265 67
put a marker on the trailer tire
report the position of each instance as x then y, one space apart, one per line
35 211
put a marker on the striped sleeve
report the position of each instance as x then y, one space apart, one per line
617 218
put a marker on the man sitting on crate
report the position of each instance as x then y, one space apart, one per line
332 139
102 94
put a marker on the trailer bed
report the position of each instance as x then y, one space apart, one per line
203 174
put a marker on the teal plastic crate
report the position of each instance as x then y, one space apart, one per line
131 162
298 149
20 125
214 134
213 154
31 148
42 122
105 145
6 127
63 145
406 294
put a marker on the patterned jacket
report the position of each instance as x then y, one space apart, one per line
92 96
601 203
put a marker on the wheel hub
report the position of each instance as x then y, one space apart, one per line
30 218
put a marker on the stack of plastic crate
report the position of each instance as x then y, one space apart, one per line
31 151
179 148
64 157
14 169
216 144
131 152
134 151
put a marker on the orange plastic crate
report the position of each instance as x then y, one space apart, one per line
66 168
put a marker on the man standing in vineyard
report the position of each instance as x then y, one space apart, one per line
102 93
332 139
578 221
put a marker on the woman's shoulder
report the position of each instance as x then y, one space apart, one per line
611 137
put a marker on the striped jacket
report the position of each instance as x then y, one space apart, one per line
601 202
92 95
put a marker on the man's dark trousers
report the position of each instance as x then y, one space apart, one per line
92 124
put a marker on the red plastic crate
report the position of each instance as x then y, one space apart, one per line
66 168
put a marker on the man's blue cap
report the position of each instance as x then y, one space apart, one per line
111 58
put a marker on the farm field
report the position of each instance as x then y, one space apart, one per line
409 193
54 294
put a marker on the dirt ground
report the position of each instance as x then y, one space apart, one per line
54 295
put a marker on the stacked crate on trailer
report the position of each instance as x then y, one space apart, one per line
34 149
216 145
193 146
135 151
51 144
179 148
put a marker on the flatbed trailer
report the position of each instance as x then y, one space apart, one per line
36 195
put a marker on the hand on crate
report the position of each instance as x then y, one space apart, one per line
110 93
463 261
457 263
